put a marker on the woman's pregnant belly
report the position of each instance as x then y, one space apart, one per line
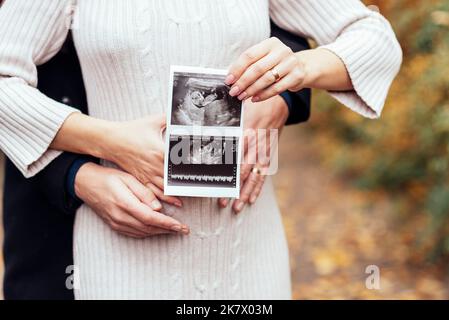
226 255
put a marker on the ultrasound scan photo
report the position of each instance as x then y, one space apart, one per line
203 100
206 161
203 134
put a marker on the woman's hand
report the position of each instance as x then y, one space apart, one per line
125 204
136 146
271 67
265 70
267 115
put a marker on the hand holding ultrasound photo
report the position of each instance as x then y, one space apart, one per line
204 130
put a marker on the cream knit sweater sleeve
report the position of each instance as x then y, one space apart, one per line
31 32
363 39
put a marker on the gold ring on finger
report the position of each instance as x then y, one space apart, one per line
275 74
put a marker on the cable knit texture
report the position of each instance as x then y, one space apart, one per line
126 49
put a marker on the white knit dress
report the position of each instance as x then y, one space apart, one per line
126 49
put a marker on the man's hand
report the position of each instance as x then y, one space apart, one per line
269 114
124 203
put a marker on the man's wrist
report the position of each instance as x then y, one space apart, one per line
286 96
84 174
281 106
73 173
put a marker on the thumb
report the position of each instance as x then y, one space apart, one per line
159 119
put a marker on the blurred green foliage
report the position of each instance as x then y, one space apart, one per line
405 154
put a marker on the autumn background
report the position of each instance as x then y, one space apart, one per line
355 192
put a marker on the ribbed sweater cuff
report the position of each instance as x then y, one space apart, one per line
372 63
29 125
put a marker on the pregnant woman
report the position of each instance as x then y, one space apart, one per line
126 49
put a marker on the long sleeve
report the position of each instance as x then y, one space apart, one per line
52 183
31 33
361 38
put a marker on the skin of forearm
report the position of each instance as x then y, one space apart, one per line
85 135
324 70
135 146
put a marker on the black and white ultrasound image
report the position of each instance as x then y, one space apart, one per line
202 161
203 100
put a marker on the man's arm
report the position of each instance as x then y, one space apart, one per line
298 102
53 182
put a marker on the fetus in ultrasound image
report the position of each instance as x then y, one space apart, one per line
203 100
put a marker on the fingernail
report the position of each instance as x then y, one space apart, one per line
234 91
242 95
177 228
224 203
239 206
156 205
230 79
185 230
178 204
256 99
252 200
